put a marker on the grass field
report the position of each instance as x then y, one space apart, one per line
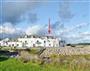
68 63
15 65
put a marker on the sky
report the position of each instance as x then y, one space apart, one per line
70 19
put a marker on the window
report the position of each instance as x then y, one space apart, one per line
28 36
33 45
25 41
33 36
49 44
7 43
38 42
17 44
12 44
44 41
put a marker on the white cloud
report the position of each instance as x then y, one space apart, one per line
85 33
13 9
78 26
78 37
8 28
35 29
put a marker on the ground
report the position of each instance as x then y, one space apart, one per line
67 63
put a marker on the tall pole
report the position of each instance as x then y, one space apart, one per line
49 27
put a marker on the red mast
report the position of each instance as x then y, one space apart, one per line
49 27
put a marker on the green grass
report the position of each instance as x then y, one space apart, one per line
68 63
16 65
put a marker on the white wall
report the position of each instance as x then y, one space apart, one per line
33 42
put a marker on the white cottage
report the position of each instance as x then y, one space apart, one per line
32 41
39 41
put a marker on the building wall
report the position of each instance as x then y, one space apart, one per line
32 42
11 44
39 42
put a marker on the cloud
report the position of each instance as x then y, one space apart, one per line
65 12
10 31
11 10
34 30
71 33
29 17
58 24
59 28
78 37
85 33
8 28
78 26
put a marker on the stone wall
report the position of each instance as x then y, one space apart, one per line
66 51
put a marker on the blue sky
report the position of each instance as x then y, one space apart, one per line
69 19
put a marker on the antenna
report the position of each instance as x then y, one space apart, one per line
49 27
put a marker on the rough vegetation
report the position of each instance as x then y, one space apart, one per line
48 59
54 63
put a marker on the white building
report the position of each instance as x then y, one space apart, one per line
10 43
39 41
33 41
